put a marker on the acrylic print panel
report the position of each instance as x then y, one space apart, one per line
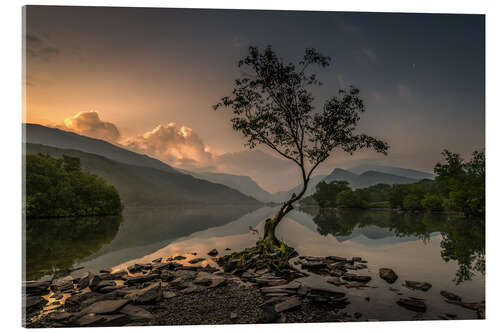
237 166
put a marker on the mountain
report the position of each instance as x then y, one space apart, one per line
367 178
54 137
243 184
410 173
311 188
148 186
341 175
370 178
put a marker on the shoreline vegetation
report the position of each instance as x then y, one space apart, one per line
59 188
459 188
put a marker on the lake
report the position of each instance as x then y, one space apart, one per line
446 251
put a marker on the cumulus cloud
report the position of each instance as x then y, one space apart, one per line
88 123
177 145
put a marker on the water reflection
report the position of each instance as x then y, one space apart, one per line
56 245
53 246
462 238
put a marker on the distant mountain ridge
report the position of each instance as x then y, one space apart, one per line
367 178
410 173
146 186
54 137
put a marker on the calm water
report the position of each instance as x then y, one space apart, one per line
446 251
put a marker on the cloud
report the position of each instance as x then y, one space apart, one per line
88 123
371 55
39 48
178 146
403 90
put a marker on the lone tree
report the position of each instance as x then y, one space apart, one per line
272 106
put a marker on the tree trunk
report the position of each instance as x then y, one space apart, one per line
269 237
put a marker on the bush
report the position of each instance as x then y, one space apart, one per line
432 202
412 202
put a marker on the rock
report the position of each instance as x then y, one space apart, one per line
335 258
288 304
203 281
319 291
210 269
356 284
168 294
74 302
85 281
360 266
105 283
34 302
313 265
213 252
227 249
388 275
36 288
450 296
302 291
157 260
424 286
217 282
179 258
111 288
63 284
141 279
106 270
167 276
107 306
136 313
60 316
269 281
90 319
358 259
335 280
192 289
146 295
233 316
412 304
135 268
262 271
196 260
357 278
190 268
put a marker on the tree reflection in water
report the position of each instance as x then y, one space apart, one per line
463 238
53 246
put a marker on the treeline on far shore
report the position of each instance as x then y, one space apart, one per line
459 186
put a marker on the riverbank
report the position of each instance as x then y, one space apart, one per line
173 291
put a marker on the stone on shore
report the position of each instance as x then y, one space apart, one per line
196 260
424 286
213 252
288 304
450 296
388 275
412 304
36 288
107 306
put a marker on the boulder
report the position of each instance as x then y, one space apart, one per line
36 288
141 279
213 252
357 278
424 286
388 275
136 313
412 304
106 306
196 260
63 284
146 295
289 304
450 296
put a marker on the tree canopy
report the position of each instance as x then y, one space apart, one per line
59 188
272 104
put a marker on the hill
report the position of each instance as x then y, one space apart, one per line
146 186
311 188
410 173
341 175
367 178
54 137
243 184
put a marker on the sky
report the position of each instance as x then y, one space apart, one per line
146 79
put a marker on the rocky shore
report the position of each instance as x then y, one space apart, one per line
240 290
